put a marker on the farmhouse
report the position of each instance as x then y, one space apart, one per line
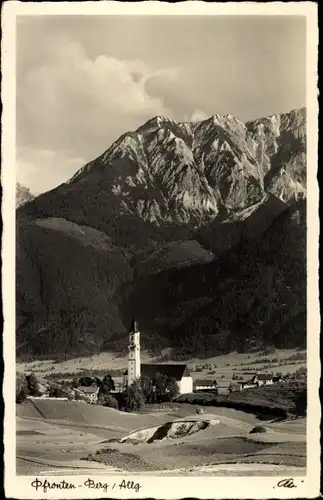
262 379
235 387
205 385
91 393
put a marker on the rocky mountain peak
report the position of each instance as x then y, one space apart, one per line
182 173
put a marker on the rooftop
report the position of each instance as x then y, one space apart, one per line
88 390
176 371
209 383
264 376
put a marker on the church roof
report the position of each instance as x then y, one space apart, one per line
176 371
205 382
264 376
88 390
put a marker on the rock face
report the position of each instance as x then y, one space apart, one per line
185 173
280 146
23 195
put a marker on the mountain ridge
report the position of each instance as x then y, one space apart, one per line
190 175
161 209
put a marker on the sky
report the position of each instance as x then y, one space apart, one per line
82 81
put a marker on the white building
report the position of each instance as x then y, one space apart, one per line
91 392
134 365
262 379
179 372
205 385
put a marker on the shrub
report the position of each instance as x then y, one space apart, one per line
108 384
108 400
33 385
197 398
56 391
166 388
21 388
258 429
132 398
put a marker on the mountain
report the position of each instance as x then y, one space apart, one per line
23 195
251 296
167 203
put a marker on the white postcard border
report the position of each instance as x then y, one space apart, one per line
157 486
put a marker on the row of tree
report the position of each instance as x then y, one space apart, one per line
144 391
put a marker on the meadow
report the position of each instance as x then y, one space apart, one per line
238 366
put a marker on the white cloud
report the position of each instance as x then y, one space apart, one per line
69 102
198 116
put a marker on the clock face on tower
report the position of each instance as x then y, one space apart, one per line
132 346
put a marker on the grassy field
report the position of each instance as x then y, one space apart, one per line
76 437
278 400
221 368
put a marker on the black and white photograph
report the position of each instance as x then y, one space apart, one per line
162 210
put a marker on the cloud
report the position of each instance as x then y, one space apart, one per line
69 102
198 116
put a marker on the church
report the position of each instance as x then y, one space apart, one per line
135 370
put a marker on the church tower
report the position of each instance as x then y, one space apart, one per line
134 353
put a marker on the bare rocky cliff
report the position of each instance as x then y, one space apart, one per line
184 172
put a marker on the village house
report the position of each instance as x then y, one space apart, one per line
235 387
257 380
205 385
262 379
91 392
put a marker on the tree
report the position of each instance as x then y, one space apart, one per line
132 398
107 384
88 381
56 391
107 400
33 385
148 389
75 383
166 388
21 388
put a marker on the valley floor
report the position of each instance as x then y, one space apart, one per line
224 368
60 442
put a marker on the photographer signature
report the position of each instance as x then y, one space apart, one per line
287 483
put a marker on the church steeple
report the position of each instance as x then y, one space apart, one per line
134 326
134 353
